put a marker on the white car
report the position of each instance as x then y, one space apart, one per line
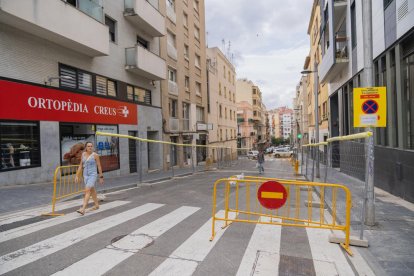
282 152
252 154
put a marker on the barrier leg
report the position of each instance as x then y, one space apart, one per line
226 212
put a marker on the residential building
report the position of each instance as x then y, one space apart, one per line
184 93
312 64
341 70
222 107
283 125
246 134
300 117
98 68
273 116
250 93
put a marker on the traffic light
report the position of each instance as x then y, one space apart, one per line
299 136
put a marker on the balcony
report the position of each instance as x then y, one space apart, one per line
174 124
333 62
145 16
78 28
145 63
172 88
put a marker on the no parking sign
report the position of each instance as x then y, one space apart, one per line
370 107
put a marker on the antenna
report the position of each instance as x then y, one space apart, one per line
223 42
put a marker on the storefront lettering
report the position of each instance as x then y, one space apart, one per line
103 110
50 104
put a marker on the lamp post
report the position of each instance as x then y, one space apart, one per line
315 90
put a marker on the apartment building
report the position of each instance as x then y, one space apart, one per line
300 115
250 93
246 134
283 120
222 107
312 63
184 93
341 69
70 68
273 117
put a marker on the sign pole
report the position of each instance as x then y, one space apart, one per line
368 82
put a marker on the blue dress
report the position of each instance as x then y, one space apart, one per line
90 170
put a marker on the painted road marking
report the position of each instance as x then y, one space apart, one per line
185 259
264 246
107 258
35 212
31 228
49 246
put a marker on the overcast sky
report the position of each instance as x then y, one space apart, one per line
269 42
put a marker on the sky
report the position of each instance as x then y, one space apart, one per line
268 42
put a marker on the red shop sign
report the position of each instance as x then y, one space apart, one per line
29 102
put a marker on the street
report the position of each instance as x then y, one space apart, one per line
164 229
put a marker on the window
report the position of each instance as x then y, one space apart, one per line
220 88
408 95
138 94
200 114
186 52
353 26
106 87
197 61
112 27
221 111
224 71
75 79
254 101
225 113
142 42
187 82
231 114
186 110
20 145
225 92
221 134
234 98
171 39
198 88
228 75
185 20
171 4
229 95
172 75
387 3
173 108
196 32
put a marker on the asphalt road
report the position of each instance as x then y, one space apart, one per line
164 229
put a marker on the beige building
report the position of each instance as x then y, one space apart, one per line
300 115
245 126
184 93
313 59
250 93
222 102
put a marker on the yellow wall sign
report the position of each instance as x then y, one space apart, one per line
370 107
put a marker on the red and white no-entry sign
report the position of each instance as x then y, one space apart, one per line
272 195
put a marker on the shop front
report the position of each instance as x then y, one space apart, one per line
43 127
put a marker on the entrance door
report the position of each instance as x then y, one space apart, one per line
132 145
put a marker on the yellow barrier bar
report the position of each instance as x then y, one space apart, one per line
297 220
361 135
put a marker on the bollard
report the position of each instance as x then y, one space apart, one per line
297 167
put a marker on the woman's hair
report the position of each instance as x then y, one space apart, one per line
88 142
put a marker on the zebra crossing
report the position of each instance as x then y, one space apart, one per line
259 253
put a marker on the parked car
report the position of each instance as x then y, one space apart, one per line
269 150
282 152
252 154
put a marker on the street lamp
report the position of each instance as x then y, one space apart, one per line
315 90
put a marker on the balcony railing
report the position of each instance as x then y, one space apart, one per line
341 47
172 88
145 63
171 14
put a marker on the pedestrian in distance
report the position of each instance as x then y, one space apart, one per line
260 161
89 166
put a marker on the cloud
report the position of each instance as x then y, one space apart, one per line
269 42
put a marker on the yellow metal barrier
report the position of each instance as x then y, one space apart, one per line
241 204
64 185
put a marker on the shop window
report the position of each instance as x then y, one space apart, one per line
20 145
73 139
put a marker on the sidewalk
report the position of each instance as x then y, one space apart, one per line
20 197
391 240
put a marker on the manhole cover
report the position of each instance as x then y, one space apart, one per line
132 242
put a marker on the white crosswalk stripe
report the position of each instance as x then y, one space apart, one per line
185 259
44 248
31 228
107 258
263 245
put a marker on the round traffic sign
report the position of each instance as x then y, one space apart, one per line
369 107
272 195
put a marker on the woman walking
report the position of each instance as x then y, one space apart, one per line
91 164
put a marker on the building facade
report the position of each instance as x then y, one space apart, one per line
312 64
65 84
300 117
246 134
184 93
222 106
250 93
393 53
